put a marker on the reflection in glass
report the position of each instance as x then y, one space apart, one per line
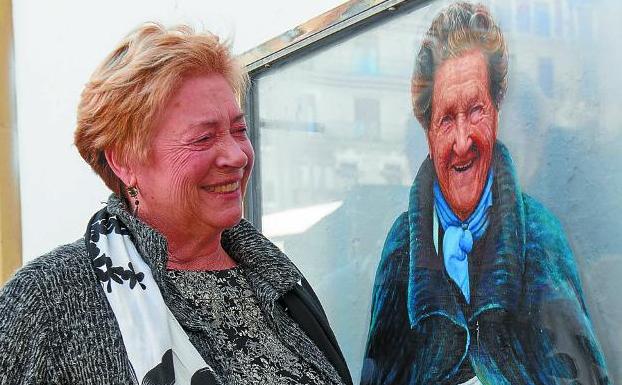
339 149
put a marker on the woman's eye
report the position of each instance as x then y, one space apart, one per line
239 130
203 139
476 111
446 120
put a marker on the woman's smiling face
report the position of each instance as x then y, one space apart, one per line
463 130
200 159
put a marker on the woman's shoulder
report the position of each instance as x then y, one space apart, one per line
63 258
28 299
53 316
56 267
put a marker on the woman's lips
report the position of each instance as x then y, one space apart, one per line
223 188
462 167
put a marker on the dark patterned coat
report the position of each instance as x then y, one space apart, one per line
527 322
57 327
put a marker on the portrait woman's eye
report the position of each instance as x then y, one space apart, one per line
476 112
446 122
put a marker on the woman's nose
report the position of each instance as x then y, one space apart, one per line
462 137
231 154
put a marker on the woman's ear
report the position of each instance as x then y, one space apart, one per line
120 167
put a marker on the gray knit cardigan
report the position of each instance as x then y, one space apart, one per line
56 326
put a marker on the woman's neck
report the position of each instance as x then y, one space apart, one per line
194 254
193 246
208 258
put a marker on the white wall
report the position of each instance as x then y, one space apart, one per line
57 46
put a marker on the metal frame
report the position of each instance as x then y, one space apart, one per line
252 199
352 14
321 31
10 213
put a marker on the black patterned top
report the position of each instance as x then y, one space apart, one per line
249 350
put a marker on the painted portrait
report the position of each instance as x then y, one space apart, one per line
477 282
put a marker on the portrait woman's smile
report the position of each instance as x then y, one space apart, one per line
463 129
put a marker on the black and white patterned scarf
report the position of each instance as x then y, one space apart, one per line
158 348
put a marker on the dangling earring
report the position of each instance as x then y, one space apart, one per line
133 193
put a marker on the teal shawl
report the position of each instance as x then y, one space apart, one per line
527 322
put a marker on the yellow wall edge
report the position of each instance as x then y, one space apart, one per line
10 213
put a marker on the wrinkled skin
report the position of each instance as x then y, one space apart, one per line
192 185
463 130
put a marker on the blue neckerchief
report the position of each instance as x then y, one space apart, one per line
459 236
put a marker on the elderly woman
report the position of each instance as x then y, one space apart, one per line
169 284
477 282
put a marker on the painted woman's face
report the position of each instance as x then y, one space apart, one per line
463 130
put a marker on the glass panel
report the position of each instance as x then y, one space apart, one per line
542 18
340 148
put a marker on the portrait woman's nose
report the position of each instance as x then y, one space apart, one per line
462 136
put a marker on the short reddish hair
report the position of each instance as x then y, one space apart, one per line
121 101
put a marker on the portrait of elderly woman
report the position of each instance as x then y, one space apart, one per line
477 282
169 284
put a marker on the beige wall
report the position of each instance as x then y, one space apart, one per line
10 224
